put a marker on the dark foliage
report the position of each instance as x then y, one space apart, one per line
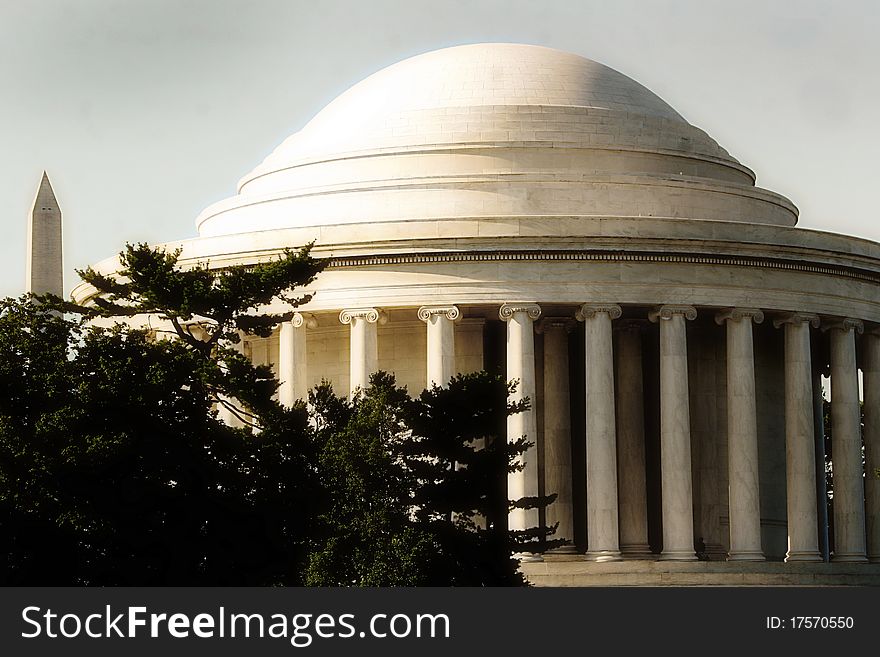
115 470
416 486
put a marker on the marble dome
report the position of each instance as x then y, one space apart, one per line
494 130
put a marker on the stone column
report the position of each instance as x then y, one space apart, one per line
800 457
603 540
631 485
441 342
846 443
292 365
675 434
364 344
557 429
742 435
871 383
521 367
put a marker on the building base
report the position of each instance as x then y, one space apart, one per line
570 570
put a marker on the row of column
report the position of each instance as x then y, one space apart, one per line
615 453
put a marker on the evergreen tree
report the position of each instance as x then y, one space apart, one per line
114 468
208 310
424 481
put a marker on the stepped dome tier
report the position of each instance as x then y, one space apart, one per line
494 130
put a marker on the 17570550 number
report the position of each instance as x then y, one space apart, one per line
810 623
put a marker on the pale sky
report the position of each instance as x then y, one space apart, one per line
143 113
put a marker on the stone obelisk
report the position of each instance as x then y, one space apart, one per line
44 254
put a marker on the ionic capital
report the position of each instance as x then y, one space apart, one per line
304 319
590 310
508 310
566 324
451 313
369 315
737 314
845 324
669 311
797 318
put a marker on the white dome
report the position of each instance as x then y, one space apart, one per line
483 75
493 130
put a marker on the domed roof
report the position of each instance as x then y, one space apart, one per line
487 129
480 75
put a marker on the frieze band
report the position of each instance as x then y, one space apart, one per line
607 256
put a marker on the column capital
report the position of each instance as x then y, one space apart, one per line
507 310
304 319
450 312
590 310
845 324
369 315
670 310
737 314
797 318
566 324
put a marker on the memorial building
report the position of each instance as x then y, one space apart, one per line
525 210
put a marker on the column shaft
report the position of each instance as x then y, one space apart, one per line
871 382
440 364
292 365
846 446
742 436
557 430
675 436
603 539
800 457
631 444
521 367
364 353
364 346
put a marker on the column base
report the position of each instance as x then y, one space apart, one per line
849 557
746 556
603 555
528 557
637 551
678 555
811 556
568 548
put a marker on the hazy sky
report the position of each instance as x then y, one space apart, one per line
143 113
